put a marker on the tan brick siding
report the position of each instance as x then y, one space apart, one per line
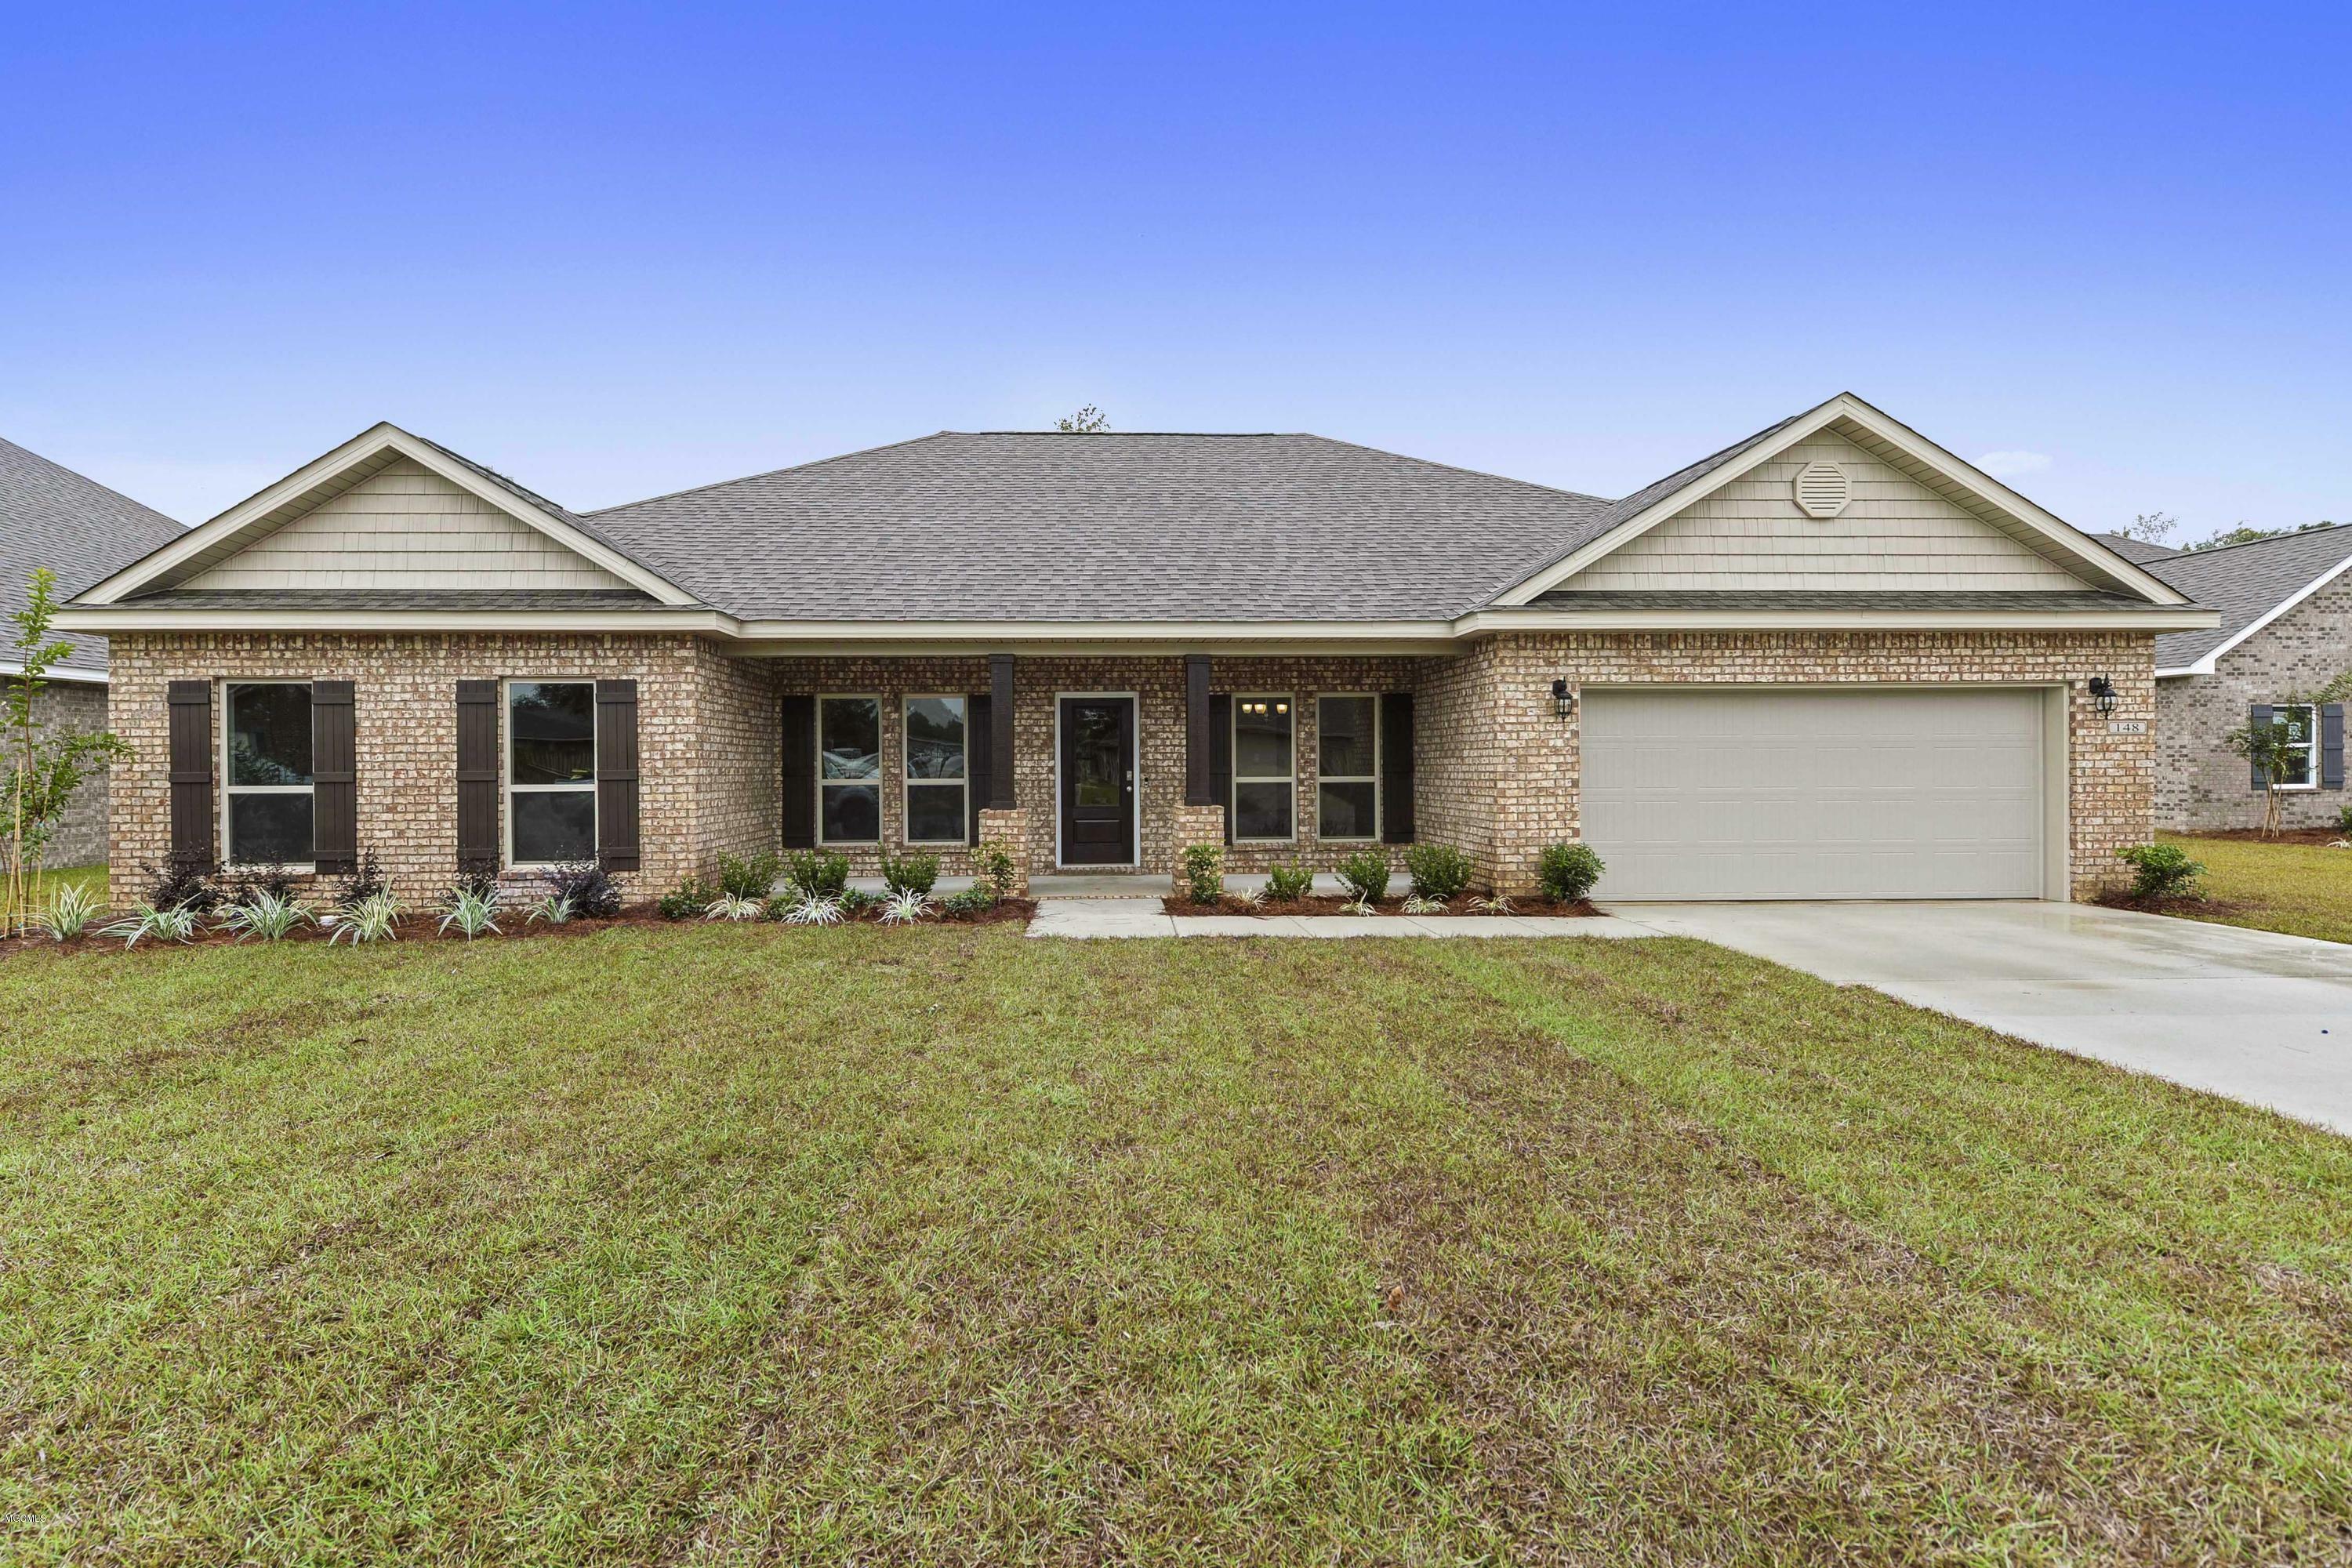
2202 783
75 707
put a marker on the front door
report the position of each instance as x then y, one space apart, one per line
1097 781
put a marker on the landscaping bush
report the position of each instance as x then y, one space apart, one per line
855 902
1289 883
1567 872
1204 873
819 873
749 876
994 865
476 882
1365 875
256 886
183 888
591 891
2160 871
366 882
916 873
976 900
687 900
2343 819
1439 871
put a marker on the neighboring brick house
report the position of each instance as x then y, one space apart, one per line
1830 660
81 530
2285 633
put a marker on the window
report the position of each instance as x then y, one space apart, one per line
935 769
550 772
266 761
1348 787
849 769
1263 790
2301 756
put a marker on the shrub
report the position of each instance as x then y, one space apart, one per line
366 881
976 900
905 907
729 907
146 920
911 873
1439 871
688 899
376 917
815 909
1365 875
264 914
1289 883
855 902
1566 872
819 873
749 876
68 914
481 881
995 866
1204 873
2160 871
471 911
1422 904
182 888
1497 905
2343 819
553 910
255 885
592 891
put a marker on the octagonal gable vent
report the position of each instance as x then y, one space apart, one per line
1822 489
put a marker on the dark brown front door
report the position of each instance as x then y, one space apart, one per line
1097 781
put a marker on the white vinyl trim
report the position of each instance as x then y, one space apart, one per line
2207 665
59 673
506 749
909 781
1322 777
230 790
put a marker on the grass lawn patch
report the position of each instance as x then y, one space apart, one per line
2304 889
735 1244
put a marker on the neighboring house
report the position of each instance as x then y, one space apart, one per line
2286 631
80 530
1831 660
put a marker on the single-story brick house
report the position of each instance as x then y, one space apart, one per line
52 517
2283 637
1829 660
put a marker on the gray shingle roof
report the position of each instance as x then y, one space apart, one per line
2138 552
1047 526
52 517
2244 582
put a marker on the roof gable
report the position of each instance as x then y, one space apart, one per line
2252 586
376 512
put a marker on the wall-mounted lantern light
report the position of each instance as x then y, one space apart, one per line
2103 692
1562 704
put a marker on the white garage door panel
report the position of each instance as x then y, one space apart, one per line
1807 794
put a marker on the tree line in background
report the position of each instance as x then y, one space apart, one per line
2158 527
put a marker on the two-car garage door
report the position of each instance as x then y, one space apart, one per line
1807 793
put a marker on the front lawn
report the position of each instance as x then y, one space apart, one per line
722 1244
2302 889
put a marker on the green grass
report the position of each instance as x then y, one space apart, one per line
716 1246
2302 889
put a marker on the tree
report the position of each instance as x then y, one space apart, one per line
2150 527
43 769
2276 750
2247 533
1087 421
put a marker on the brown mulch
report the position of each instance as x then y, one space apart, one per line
2121 899
427 928
1178 904
2319 836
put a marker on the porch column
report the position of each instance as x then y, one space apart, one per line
1202 819
1003 825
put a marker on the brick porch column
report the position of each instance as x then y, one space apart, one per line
1201 819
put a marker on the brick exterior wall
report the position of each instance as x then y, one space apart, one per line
2201 782
75 707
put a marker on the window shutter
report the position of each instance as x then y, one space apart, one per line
2259 716
617 774
1221 757
190 704
979 761
2331 745
1396 767
799 749
478 775
334 779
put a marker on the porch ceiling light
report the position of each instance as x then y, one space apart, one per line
1562 704
2103 692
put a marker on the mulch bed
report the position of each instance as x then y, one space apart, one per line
1177 904
427 927
2121 899
2319 836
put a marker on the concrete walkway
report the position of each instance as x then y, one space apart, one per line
1092 915
2258 1016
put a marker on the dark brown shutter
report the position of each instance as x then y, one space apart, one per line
478 775
1002 796
617 774
190 703
1198 789
334 779
1221 757
2331 745
799 794
979 760
2259 716
1396 767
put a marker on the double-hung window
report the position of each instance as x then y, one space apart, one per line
1264 791
849 769
936 776
550 772
266 769
1347 768
2300 756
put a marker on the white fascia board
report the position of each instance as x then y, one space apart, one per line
132 619
1108 632
60 673
1846 406
162 563
2188 620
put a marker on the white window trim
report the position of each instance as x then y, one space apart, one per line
881 830
907 781
1233 741
505 766
1321 777
228 845
2310 747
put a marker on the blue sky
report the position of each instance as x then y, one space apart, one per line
617 250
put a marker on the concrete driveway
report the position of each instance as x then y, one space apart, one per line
2258 1016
